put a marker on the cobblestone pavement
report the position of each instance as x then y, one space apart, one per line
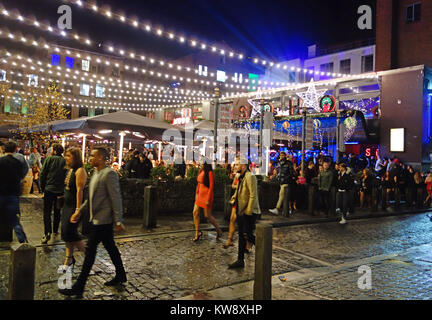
320 261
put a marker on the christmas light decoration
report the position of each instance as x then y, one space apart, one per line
312 96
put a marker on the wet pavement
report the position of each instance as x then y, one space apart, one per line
320 261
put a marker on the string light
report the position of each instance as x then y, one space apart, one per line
159 32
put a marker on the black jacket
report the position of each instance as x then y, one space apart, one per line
143 169
286 174
10 176
345 182
52 176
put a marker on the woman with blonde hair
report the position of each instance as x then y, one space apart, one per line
75 181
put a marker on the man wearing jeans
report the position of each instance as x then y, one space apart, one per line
11 174
106 213
246 202
52 179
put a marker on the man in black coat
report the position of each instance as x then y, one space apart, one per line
344 183
286 178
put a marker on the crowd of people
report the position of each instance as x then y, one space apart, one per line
72 192
356 181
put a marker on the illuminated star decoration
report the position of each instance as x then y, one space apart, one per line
256 108
311 96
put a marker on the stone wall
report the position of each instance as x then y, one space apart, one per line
179 196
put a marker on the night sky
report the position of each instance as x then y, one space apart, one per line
277 30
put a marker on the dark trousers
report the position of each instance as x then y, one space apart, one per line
246 227
105 234
343 202
9 206
325 201
50 200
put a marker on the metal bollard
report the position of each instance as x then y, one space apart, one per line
151 207
5 229
263 262
22 272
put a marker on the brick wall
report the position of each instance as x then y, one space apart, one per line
401 44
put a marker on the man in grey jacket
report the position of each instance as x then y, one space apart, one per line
106 213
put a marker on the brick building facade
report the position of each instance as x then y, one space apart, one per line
403 33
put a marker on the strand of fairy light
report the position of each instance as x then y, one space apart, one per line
101 79
121 52
193 43
142 57
86 102
136 70
149 96
66 72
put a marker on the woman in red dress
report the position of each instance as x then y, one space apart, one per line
204 200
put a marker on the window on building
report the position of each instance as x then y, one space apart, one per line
2 75
115 72
238 77
292 76
345 66
326 67
68 89
367 63
33 80
17 80
202 70
55 59
70 62
85 89
413 12
100 91
85 65
101 69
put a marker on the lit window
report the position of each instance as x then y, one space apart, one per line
85 65
2 75
55 59
100 91
70 62
220 76
33 80
202 70
85 89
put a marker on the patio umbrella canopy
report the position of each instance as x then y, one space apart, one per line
8 131
121 121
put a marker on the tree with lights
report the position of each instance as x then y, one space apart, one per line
42 112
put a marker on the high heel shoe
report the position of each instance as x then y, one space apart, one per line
197 237
219 234
228 244
72 263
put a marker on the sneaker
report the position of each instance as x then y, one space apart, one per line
274 211
46 238
236 265
343 221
